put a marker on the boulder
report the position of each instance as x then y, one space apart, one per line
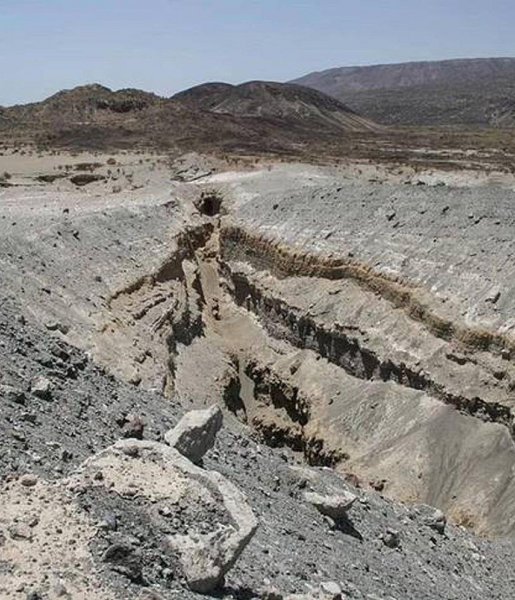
195 433
431 517
437 521
335 507
205 559
156 473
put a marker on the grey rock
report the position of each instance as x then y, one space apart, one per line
431 517
12 394
20 531
206 561
331 588
57 326
335 507
391 538
29 480
437 521
195 433
41 387
134 427
109 522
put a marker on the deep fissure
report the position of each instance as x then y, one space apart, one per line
214 281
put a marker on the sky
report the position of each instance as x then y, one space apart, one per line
165 46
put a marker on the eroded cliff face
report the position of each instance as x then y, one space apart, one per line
360 325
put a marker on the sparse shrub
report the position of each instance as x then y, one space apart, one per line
87 166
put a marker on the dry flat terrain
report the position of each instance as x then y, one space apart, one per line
354 322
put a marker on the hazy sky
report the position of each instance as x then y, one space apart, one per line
168 45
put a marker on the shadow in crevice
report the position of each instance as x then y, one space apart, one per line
346 526
237 593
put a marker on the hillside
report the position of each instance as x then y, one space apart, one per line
292 104
450 92
255 117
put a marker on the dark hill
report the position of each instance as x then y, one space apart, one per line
292 104
84 103
255 117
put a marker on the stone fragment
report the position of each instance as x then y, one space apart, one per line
12 394
109 522
20 531
41 387
133 427
335 507
206 559
57 326
493 295
29 480
331 587
430 516
195 433
391 538
437 521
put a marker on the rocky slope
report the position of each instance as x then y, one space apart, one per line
450 92
264 117
286 296
294 105
106 541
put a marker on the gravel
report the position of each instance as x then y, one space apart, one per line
380 550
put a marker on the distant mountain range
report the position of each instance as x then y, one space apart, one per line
329 113
450 92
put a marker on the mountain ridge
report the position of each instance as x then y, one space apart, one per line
255 115
475 91
275 101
